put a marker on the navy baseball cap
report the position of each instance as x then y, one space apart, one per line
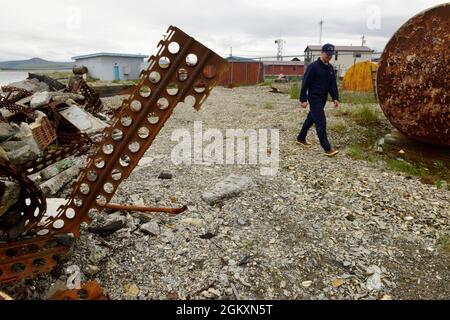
329 49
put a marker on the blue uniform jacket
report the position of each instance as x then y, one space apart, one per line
318 81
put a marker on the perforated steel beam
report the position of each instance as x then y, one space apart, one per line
182 74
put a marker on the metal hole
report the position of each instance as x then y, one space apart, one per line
43 232
117 135
143 133
85 189
58 224
18 267
182 74
116 175
12 253
209 71
154 77
153 118
108 187
136 106
164 62
101 201
78 202
163 103
134 147
125 161
191 60
82 294
145 92
172 89
126 121
174 47
100 163
70 213
40 262
92 176
200 87
108 149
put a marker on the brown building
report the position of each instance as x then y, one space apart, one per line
287 68
242 71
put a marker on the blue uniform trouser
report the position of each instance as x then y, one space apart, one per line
316 116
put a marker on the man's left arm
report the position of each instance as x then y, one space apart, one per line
334 91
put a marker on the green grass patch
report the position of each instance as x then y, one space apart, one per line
365 116
339 127
294 93
362 98
90 79
406 167
355 151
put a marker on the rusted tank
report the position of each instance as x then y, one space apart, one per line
414 77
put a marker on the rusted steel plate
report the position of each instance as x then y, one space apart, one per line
183 73
414 77
88 291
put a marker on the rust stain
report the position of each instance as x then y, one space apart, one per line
414 77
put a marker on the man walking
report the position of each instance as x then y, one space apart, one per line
319 80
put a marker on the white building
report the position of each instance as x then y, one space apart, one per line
345 58
112 66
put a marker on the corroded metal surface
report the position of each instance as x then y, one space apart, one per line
183 73
93 103
88 291
414 77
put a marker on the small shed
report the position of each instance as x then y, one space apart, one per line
112 66
291 69
242 71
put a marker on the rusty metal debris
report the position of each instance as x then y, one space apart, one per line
79 85
53 84
35 246
413 78
171 211
88 291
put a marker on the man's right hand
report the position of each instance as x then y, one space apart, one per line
304 105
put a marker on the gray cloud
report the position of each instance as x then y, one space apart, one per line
58 30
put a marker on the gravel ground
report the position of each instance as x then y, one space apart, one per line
320 229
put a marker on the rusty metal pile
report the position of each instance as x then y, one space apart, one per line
182 73
413 77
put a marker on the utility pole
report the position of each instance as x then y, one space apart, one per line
231 52
363 38
321 31
280 43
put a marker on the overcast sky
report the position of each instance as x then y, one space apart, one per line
59 30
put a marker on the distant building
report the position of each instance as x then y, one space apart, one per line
112 66
291 69
345 58
242 71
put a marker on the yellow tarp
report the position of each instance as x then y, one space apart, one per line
359 77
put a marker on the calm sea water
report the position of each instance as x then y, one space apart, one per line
7 77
